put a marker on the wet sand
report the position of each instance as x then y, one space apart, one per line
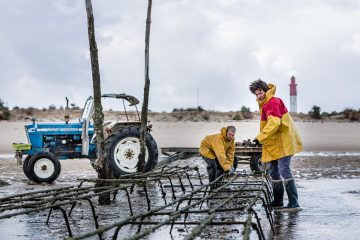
327 174
328 187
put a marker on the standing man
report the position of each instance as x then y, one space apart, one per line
280 140
218 152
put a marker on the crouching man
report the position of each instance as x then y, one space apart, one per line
218 152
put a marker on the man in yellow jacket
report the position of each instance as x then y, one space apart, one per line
218 152
280 140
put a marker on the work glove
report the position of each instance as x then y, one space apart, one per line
256 141
230 171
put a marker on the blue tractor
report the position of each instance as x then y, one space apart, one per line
51 142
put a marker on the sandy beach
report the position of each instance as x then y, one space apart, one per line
316 136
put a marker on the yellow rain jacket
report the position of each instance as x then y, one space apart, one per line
278 134
217 146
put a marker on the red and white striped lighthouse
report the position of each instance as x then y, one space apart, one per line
293 95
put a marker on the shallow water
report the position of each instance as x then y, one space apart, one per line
329 211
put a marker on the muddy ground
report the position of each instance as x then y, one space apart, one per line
328 186
327 174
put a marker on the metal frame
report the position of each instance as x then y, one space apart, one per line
243 153
188 202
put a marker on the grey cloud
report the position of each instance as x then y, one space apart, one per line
215 46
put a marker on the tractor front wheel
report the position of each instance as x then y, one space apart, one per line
43 167
122 150
25 165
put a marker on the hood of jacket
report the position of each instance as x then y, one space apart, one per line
223 133
269 94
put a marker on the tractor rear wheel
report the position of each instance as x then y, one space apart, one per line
43 167
122 149
256 164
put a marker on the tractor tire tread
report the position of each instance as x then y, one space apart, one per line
255 163
25 166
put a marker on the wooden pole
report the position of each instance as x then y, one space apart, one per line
102 169
144 110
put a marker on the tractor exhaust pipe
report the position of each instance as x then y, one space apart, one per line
67 115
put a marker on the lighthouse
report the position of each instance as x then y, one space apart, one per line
293 95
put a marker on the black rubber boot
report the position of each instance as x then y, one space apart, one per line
292 195
278 190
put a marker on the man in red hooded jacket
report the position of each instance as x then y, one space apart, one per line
280 140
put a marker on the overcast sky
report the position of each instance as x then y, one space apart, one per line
215 47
